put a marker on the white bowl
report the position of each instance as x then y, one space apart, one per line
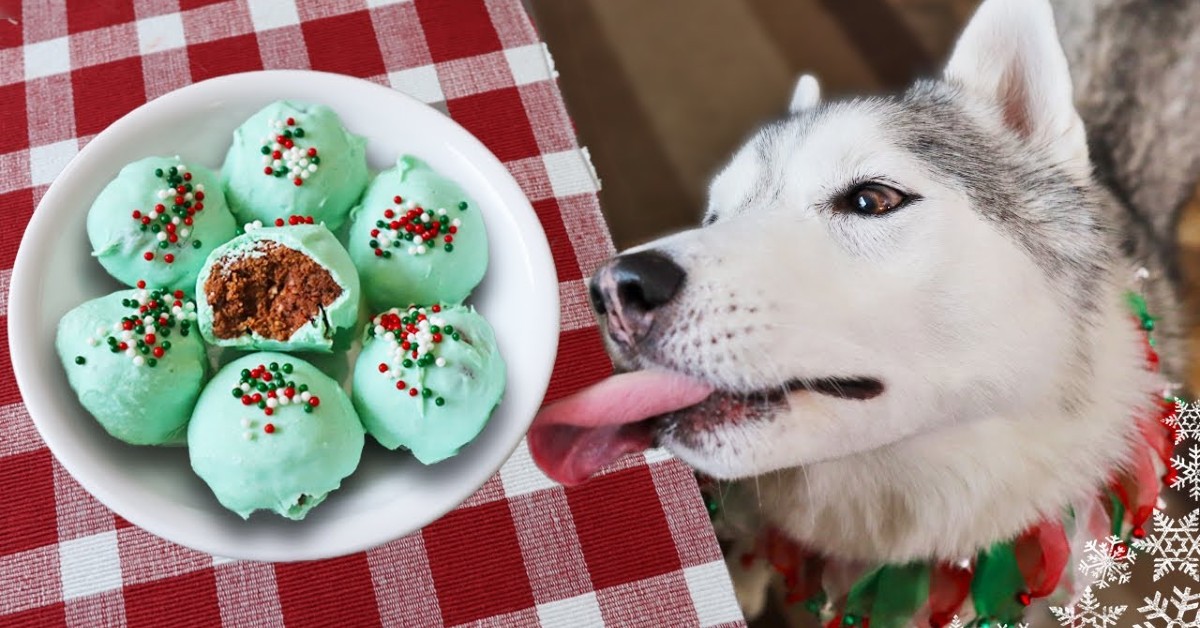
391 494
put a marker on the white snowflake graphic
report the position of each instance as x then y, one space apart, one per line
1087 613
1186 421
1187 471
1175 545
1158 609
1107 560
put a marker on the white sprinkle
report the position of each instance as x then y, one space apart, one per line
189 196
421 250
305 396
379 330
199 187
418 240
409 204
139 360
176 220
304 162
162 235
440 362
183 233
92 342
248 435
117 327
312 167
276 163
191 315
283 401
245 422
100 331
276 146
245 387
162 194
424 217
181 168
190 306
304 174
131 353
412 250
127 335
272 402
176 310
455 223
441 212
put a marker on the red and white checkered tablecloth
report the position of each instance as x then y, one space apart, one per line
631 548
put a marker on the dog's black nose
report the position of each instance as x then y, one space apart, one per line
629 288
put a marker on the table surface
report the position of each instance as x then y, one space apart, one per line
632 547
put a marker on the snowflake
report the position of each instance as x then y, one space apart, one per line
1175 545
1108 561
1185 603
1188 472
1087 613
1186 421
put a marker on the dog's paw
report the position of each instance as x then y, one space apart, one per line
750 584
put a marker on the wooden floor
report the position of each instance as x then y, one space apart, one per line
661 91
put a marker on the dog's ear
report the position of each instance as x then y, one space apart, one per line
1009 55
807 94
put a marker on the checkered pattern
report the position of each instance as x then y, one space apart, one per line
632 548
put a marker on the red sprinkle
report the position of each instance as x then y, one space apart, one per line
383 367
187 176
269 427
291 121
123 346
387 213
277 155
437 308
312 152
151 339
267 170
137 214
289 392
412 392
141 283
158 352
187 221
246 400
279 222
148 256
397 200
268 411
314 401
199 196
298 181
378 252
179 200
168 258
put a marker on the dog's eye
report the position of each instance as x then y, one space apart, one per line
871 199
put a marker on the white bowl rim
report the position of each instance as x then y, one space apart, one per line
24 293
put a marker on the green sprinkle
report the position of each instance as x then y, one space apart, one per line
456 336
261 386
287 367
173 171
449 329
449 248
299 132
387 254
381 224
196 244
158 172
373 244
154 227
408 236
407 363
462 205
262 404
163 244
274 366
80 360
237 393
152 362
396 243
315 160
302 388
166 345
426 393
439 401
287 133
183 332
308 408
266 150
144 349
433 329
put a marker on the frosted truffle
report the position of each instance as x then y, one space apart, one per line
271 432
286 288
135 362
428 379
417 238
158 221
294 158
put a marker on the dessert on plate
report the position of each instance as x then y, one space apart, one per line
271 432
428 379
290 287
136 363
417 238
294 158
157 221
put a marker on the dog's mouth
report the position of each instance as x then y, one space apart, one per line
574 438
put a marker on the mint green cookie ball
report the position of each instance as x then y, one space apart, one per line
136 363
294 158
428 379
290 288
417 238
158 221
271 432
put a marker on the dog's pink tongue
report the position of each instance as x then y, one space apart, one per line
573 438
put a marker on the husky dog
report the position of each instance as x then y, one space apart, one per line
903 325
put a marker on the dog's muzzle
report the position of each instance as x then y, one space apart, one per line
629 289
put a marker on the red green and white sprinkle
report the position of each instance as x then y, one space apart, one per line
415 230
270 388
283 155
144 335
291 221
170 218
413 336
